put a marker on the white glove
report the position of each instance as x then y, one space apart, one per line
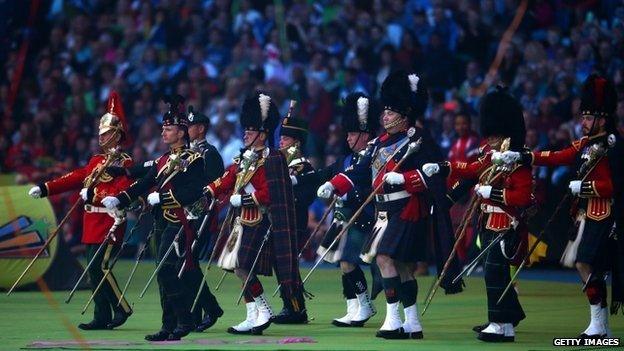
325 191
83 193
110 202
484 190
236 200
394 178
575 187
153 198
430 169
511 156
293 180
35 192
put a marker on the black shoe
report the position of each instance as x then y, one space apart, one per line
479 328
231 330
287 316
118 320
392 334
209 320
161 335
491 337
341 324
414 335
259 329
180 332
93 325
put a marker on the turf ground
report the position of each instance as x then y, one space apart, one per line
553 309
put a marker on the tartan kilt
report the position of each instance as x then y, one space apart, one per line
593 246
251 240
403 240
355 238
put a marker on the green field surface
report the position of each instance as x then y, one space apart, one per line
30 319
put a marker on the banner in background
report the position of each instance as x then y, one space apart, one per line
25 224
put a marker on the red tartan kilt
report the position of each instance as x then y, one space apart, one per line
250 244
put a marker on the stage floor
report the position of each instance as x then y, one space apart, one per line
32 320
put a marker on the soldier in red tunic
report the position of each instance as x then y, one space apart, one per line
504 191
263 227
97 220
596 191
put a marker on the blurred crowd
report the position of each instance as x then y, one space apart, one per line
63 57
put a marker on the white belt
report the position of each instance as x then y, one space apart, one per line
392 196
93 209
491 209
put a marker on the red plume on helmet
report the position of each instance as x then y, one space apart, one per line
115 118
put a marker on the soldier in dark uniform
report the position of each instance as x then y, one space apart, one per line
504 193
398 239
213 169
175 180
293 135
98 220
360 121
597 199
263 222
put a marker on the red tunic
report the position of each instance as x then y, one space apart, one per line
514 187
95 224
597 187
256 190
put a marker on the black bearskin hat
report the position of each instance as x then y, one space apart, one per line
360 114
599 98
175 115
405 94
260 113
501 114
295 128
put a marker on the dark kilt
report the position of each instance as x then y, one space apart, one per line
355 240
403 241
250 244
593 246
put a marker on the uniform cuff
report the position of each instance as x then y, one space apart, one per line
498 195
44 189
124 199
341 183
588 189
249 200
167 200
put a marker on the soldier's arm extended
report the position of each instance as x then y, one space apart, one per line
564 157
139 188
71 181
224 184
191 189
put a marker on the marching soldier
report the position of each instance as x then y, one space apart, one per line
263 229
597 199
293 134
97 220
360 122
213 169
398 239
176 180
504 192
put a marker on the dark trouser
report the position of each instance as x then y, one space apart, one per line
175 305
194 277
497 277
108 296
